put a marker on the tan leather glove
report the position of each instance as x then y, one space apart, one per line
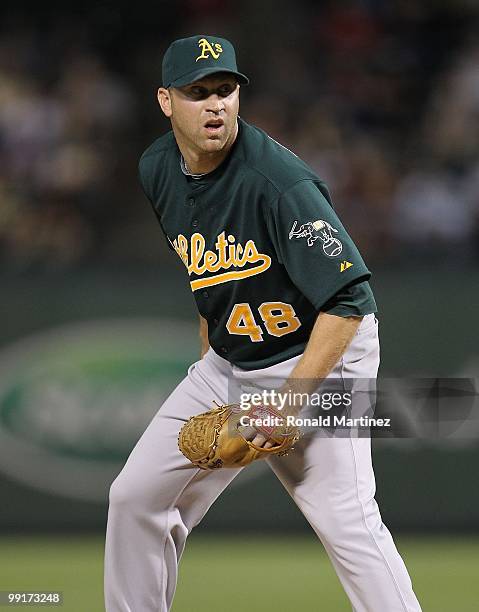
212 440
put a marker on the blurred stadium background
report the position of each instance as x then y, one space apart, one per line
98 325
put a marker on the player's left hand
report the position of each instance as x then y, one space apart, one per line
209 442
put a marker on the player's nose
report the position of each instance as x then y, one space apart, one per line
215 104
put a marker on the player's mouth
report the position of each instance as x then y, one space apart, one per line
214 126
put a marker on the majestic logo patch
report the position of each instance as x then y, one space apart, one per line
228 254
318 230
345 265
207 49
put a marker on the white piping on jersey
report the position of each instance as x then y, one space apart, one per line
282 146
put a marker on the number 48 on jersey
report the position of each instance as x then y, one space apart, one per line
278 318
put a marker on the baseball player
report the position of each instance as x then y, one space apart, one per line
281 291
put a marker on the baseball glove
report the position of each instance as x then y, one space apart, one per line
212 440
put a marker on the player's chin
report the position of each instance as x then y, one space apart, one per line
213 143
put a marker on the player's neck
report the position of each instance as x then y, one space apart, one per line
200 162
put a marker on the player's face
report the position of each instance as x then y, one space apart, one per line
203 114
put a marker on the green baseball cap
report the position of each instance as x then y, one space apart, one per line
189 59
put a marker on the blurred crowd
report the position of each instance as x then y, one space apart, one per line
381 99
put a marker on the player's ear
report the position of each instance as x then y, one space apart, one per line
164 100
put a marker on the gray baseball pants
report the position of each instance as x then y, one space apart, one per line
159 496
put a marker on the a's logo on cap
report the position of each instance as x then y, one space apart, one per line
207 49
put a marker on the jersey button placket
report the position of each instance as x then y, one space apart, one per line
195 223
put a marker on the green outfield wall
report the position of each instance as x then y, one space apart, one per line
86 359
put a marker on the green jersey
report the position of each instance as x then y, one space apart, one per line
263 246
